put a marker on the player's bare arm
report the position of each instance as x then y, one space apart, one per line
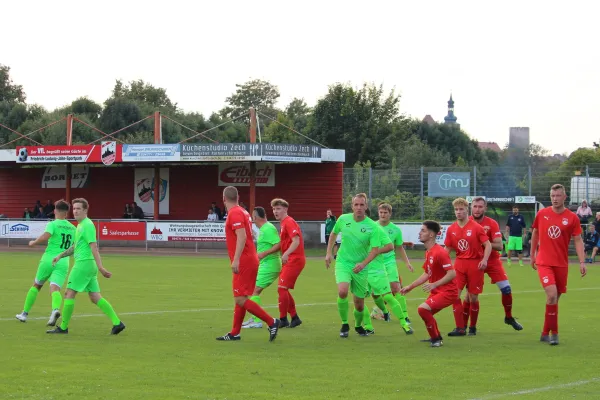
405 258
486 254
534 247
497 244
293 247
418 282
239 248
428 287
330 244
98 259
42 239
387 248
375 251
68 252
272 250
579 249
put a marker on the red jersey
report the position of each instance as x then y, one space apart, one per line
555 232
238 218
466 241
437 263
289 229
492 229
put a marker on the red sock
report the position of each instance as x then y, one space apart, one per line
466 311
292 305
457 309
474 313
259 312
284 302
238 318
551 320
507 303
430 324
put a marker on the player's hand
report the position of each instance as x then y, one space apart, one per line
533 264
405 290
482 265
284 259
410 268
583 269
31 243
358 267
55 260
235 267
328 260
261 255
428 287
105 273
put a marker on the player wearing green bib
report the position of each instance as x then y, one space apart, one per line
59 234
268 245
84 275
361 244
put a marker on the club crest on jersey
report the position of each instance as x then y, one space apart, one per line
363 230
565 221
430 260
469 232
486 228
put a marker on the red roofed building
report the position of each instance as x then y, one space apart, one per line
490 146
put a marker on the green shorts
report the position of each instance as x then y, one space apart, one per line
47 273
391 269
84 277
515 243
268 272
379 282
358 281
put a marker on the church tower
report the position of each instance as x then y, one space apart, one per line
450 118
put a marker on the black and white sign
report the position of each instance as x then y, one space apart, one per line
221 152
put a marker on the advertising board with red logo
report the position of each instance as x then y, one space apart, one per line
185 231
117 230
105 153
238 174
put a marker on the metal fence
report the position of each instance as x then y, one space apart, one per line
427 193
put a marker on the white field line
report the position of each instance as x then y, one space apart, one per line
539 389
197 310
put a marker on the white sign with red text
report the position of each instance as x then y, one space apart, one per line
185 231
238 174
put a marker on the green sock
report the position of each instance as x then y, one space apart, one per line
395 307
343 309
402 300
367 319
30 299
68 308
107 309
381 304
358 317
56 300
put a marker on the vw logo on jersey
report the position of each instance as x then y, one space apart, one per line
463 245
554 232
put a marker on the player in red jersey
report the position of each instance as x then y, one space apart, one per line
553 228
293 261
440 274
244 265
472 247
494 269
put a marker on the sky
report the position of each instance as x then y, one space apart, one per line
507 64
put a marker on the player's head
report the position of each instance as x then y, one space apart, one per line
259 216
280 208
558 195
461 207
429 231
80 208
61 209
230 196
385 212
359 205
515 210
478 207
592 228
329 213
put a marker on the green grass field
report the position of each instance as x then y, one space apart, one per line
174 307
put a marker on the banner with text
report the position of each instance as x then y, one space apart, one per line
56 177
238 174
151 152
291 152
110 230
221 152
410 233
22 229
70 154
185 231
143 190
448 184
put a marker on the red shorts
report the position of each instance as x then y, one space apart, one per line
468 274
244 281
290 273
441 300
554 276
496 271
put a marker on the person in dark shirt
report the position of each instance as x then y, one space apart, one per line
138 213
591 243
515 229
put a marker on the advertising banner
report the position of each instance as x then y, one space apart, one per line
22 229
56 177
238 174
448 184
70 154
143 190
291 152
110 230
410 233
151 152
525 199
221 152
185 231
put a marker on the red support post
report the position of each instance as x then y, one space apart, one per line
252 199
69 170
157 140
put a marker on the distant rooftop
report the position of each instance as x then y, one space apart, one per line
490 146
429 120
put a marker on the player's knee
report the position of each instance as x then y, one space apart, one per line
282 290
37 286
506 290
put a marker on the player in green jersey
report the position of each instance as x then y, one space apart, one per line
361 244
84 275
268 245
59 235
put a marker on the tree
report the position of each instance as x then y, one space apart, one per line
256 93
10 92
140 91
